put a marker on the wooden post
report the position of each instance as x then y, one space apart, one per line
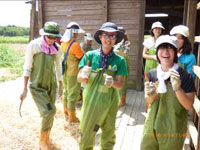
139 82
105 14
190 12
40 14
185 11
32 20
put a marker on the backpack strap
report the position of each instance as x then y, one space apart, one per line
65 58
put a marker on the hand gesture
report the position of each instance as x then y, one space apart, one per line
86 71
175 79
150 89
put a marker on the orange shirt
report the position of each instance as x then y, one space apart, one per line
74 50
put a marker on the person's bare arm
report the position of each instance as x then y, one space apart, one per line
185 99
146 56
24 92
151 99
119 83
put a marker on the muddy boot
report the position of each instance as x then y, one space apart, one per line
49 142
122 101
43 141
72 116
66 112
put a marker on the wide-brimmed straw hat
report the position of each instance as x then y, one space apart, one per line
51 28
109 27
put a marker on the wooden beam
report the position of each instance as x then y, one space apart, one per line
196 106
191 17
105 12
40 14
198 138
32 20
193 133
196 70
139 82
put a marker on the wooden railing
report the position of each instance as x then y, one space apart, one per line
194 124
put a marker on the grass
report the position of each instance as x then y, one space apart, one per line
12 61
16 39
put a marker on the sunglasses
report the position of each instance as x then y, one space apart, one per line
51 37
111 36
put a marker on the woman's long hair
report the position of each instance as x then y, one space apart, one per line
187 47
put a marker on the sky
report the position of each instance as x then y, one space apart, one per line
14 13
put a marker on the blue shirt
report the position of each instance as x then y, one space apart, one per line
186 61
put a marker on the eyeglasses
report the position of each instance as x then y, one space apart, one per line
111 36
51 37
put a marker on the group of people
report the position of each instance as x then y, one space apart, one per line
169 87
102 71
169 82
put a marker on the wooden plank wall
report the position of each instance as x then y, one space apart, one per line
127 13
90 15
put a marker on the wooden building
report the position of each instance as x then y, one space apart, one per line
90 15
130 14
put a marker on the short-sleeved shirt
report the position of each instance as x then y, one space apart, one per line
187 83
149 43
74 50
188 61
115 61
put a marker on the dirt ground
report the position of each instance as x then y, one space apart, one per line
23 133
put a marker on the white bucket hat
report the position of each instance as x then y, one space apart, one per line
157 25
88 36
180 29
166 39
72 27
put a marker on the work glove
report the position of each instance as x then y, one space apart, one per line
24 94
108 80
60 90
86 71
175 79
150 89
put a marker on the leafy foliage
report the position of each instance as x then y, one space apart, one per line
12 30
11 59
16 39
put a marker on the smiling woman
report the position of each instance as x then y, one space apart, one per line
17 13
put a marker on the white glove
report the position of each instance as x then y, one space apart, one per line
150 88
86 71
24 94
175 79
108 80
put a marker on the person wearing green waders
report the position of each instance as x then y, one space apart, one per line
149 51
170 92
122 49
43 68
87 44
72 55
103 72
